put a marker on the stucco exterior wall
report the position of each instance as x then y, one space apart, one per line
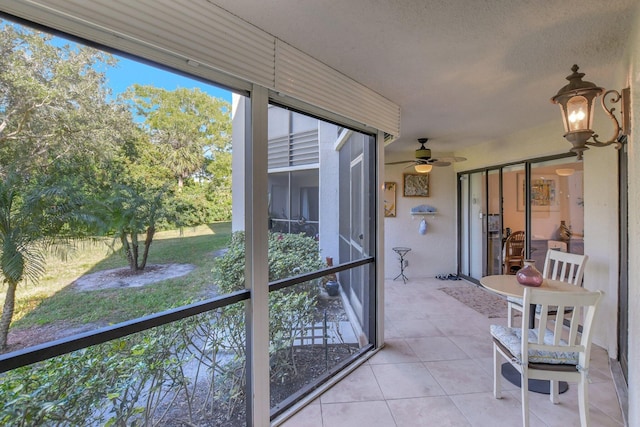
634 224
434 252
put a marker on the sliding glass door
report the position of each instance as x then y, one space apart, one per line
557 208
472 231
494 203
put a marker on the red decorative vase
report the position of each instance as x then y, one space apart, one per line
529 274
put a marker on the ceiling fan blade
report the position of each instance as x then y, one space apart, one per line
452 159
440 163
400 162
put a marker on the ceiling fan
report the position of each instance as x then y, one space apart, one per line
423 161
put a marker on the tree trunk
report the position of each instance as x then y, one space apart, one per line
7 313
127 250
147 244
134 250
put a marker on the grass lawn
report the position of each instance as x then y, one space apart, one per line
52 299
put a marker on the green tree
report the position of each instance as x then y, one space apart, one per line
129 211
30 222
188 126
53 103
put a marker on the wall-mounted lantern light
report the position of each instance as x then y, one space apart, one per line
576 101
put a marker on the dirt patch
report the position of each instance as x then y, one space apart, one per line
27 337
125 278
106 279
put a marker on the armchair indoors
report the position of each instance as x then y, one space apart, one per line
513 252
546 354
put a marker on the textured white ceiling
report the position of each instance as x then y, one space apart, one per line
462 71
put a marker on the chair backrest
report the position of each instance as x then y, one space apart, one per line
514 245
557 245
564 266
556 343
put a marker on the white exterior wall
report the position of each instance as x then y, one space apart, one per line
634 224
328 191
237 162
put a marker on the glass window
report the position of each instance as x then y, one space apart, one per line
294 202
134 189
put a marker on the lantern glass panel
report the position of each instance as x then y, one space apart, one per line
577 114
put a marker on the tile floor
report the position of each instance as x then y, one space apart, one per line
436 370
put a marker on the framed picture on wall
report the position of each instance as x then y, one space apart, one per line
415 185
544 193
390 199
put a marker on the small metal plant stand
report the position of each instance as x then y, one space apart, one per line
401 251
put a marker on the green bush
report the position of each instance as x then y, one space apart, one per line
290 309
289 255
112 384
145 378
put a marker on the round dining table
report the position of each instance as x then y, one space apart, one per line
507 285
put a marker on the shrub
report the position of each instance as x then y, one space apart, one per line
290 309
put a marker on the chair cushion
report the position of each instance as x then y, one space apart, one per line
510 339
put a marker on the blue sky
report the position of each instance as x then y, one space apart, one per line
128 72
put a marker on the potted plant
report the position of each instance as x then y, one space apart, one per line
330 281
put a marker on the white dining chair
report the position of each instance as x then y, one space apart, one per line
558 265
553 355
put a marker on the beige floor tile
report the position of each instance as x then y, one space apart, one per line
309 416
486 363
357 414
603 396
474 346
435 348
435 345
426 412
394 351
459 325
360 385
460 376
404 380
566 412
483 410
416 328
404 313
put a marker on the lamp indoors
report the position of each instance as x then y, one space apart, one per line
423 168
565 171
577 100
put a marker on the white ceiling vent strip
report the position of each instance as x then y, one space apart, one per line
192 30
226 50
304 78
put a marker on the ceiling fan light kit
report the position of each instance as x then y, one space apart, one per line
423 162
423 168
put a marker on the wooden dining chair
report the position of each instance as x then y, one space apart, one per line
513 252
553 355
558 265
